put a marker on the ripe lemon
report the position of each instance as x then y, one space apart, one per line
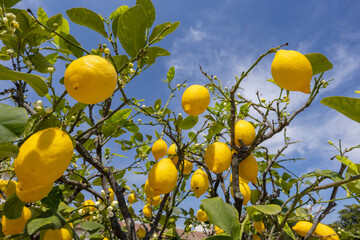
150 193
256 237
218 157
154 201
292 71
42 159
89 206
90 79
159 149
195 100
111 194
147 211
259 227
172 153
201 216
245 191
141 232
199 182
240 179
325 232
244 131
33 194
302 227
15 226
131 198
248 169
163 176
57 234
218 230
7 187
188 166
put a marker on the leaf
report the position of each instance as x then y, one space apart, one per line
218 237
52 57
286 228
40 62
150 11
170 74
55 21
119 60
350 107
139 137
348 163
189 122
49 219
8 150
75 109
53 199
131 30
42 16
75 50
13 207
120 10
269 209
91 226
12 122
154 52
10 3
35 81
222 215
319 63
87 18
163 29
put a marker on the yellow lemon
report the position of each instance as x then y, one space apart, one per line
201 216
131 198
42 159
245 191
163 176
302 227
292 71
90 79
147 211
240 179
7 187
218 230
172 154
89 206
188 166
248 169
199 182
141 232
259 227
159 149
244 131
150 193
256 237
195 100
325 232
15 226
154 201
33 194
57 234
218 157
111 194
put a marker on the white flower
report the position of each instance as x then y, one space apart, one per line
48 110
132 71
115 204
81 212
38 103
109 209
10 16
191 226
102 193
9 51
110 214
99 217
143 106
101 207
97 203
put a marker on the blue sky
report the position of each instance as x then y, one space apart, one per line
226 37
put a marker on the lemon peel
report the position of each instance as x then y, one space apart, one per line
195 100
199 182
218 157
244 131
218 230
163 176
34 194
15 226
159 149
325 232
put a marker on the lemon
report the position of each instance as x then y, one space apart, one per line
154 201
159 149
199 182
195 100
240 179
7 187
248 169
256 237
172 153
218 157
147 211
259 227
89 206
33 194
42 159
188 166
302 227
163 176
90 79
111 194
325 232
150 193
131 198
201 216
15 226
244 131
292 71
141 232
245 191
57 234
218 230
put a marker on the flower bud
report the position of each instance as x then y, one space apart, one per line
132 71
102 192
99 217
97 203
51 69
10 16
107 51
101 207
81 212
6 20
38 103
238 95
28 62
131 65
109 209
32 67
48 110
110 214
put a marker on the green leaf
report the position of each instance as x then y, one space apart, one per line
10 3
120 10
75 109
286 228
170 74
119 60
218 237
13 207
131 30
40 62
87 18
319 63
49 219
12 122
8 150
222 215
348 163
75 50
52 57
150 11
91 226
269 209
36 31
350 107
255 194
163 29
35 81
55 21
42 16
189 122
154 52
139 137
53 199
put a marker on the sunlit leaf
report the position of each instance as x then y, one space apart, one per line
48 219
319 63
350 107
163 29
149 9
189 122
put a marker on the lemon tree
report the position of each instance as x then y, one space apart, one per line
60 153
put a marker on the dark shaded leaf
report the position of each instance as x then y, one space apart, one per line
13 207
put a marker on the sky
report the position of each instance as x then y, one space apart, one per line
226 37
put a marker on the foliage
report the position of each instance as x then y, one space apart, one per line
349 224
